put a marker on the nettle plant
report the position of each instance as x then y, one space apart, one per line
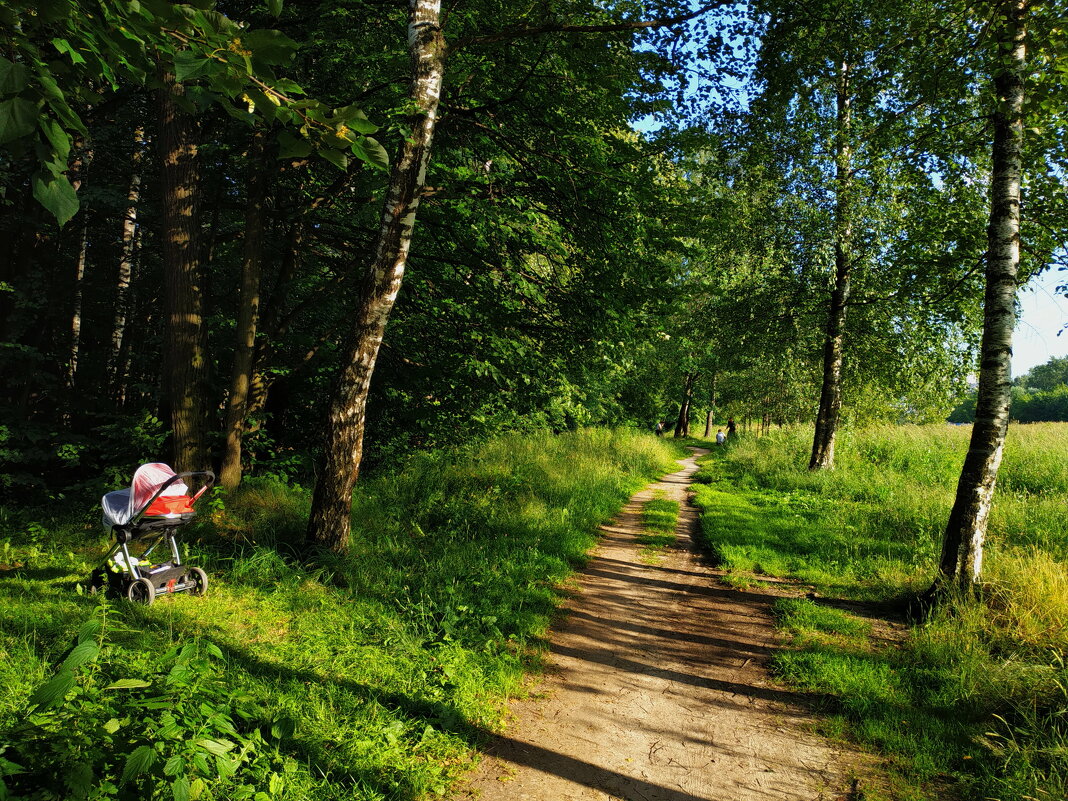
179 733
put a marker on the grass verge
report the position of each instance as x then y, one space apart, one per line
356 677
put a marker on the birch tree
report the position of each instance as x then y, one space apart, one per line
962 548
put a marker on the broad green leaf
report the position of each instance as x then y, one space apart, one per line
269 46
52 692
189 65
83 652
54 10
140 760
335 157
174 766
13 77
79 779
112 726
55 193
213 649
18 118
128 684
63 46
91 627
355 119
180 789
274 7
290 146
217 747
369 150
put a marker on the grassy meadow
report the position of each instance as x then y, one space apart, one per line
972 703
369 676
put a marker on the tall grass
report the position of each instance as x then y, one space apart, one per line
364 676
977 694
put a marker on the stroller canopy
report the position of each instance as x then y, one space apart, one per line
121 506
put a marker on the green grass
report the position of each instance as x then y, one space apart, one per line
368 676
972 702
660 518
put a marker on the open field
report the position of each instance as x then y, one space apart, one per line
975 698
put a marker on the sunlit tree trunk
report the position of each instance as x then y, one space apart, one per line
962 548
833 351
126 262
184 350
247 315
329 523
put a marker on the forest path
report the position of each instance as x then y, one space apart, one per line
657 688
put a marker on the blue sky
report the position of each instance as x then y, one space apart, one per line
1043 315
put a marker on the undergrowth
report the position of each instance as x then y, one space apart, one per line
304 676
973 702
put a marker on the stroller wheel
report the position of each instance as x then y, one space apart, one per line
141 591
199 580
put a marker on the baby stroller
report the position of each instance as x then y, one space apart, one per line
148 513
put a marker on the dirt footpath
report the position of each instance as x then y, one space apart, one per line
658 689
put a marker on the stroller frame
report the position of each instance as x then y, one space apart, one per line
134 577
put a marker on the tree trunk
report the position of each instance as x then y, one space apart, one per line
833 353
708 422
184 361
247 315
126 261
682 426
76 315
329 523
962 548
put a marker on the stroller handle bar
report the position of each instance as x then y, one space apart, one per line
209 482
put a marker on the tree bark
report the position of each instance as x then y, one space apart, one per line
247 314
962 547
184 350
329 523
682 425
116 376
833 351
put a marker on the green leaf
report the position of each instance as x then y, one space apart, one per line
290 146
213 649
369 150
173 766
335 157
140 760
355 119
52 692
189 65
217 747
269 46
18 118
80 779
91 627
275 784
112 726
83 652
63 46
180 789
274 7
13 77
55 193
128 684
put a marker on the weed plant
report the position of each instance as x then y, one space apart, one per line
975 697
300 675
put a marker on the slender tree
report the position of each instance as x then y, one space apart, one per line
962 548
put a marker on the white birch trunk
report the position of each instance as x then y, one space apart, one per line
343 447
962 548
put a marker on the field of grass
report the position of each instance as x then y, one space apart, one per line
971 703
362 677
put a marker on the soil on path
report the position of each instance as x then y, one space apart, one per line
658 689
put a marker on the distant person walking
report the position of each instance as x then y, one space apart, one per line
720 437
732 429
659 428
